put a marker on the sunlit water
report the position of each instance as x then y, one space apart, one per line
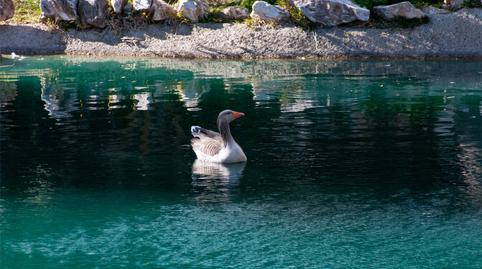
350 164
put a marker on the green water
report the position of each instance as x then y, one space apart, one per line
350 164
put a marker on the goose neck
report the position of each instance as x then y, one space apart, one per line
225 132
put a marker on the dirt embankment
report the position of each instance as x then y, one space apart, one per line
456 34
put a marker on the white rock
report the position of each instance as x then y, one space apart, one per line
403 10
118 5
65 10
161 11
7 10
194 10
235 13
266 12
93 12
142 5
332 12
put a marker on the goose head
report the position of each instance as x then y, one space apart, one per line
224 118
227 116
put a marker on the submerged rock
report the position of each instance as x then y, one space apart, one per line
142 5
266 12
161 11
235 13
332 12
65 10
403 10
93 12
7 10
118 5
194 10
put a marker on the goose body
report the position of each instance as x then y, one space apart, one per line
217 147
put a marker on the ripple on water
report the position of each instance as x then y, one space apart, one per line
350 164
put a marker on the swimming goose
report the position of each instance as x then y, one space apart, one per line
219 147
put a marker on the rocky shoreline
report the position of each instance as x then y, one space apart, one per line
447 35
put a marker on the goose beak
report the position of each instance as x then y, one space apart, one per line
237 115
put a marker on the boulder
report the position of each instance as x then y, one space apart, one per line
404 10
118 5
235 13
332 12
266 12
454 4
161 11
142 5
434 11
7 10
93 13
64 10
194 10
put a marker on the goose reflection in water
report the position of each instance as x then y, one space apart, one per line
226 173
214 182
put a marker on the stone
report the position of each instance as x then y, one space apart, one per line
93 13
118 5
64 10
332 12
142 5
454 4
161 11
235 13
194 10
404 10
434 11
7 10
266 12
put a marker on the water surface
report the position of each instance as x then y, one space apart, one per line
350 164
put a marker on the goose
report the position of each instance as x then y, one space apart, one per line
219 147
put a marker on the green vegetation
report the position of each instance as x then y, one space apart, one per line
296 15
26 11
473 4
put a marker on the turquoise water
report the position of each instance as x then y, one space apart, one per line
350 164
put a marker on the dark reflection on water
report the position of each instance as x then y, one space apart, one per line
351 164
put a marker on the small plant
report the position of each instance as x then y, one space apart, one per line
182 19
259 24
296 15
472 4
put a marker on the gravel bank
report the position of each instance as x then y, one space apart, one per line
457 34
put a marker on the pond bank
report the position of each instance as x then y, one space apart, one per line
456 34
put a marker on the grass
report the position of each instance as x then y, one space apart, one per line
26 11
297 17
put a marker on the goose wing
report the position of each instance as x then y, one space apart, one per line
198 131
206 141
206 145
